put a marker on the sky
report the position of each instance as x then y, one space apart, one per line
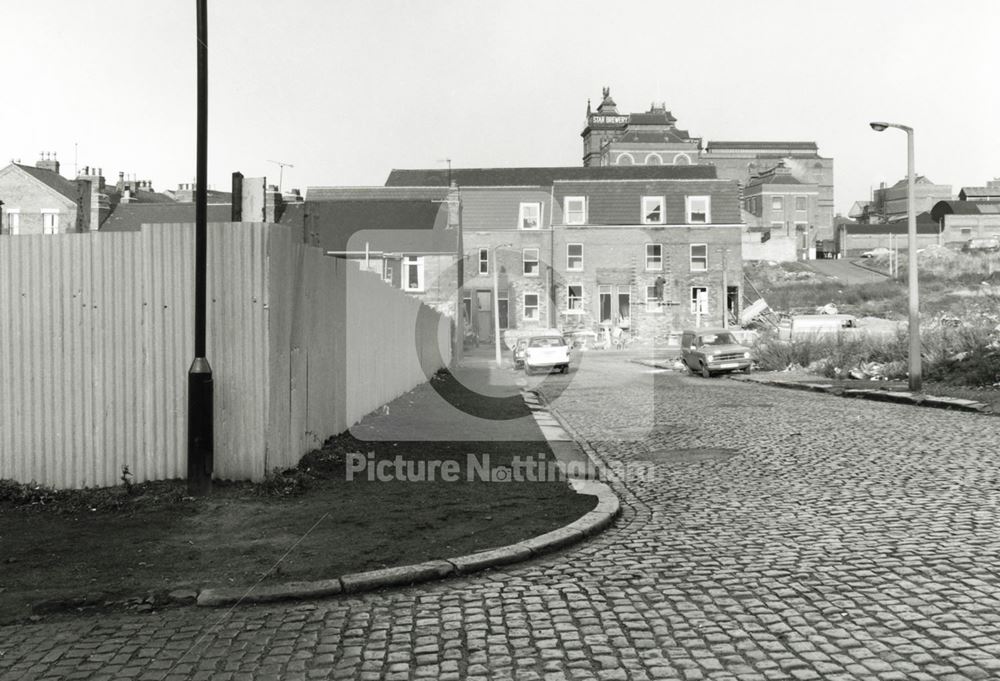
344 91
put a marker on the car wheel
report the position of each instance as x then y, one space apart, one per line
705 373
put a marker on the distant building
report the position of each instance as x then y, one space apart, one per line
991 192
889 204
781 205
652 138
959 221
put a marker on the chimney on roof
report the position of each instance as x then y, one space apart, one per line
47 161
120 186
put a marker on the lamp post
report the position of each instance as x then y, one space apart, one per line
496 303
916 378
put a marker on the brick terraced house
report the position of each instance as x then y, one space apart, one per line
651 248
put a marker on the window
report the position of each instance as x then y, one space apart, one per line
800 203
575 210
484 261
530 216
386 272
777 203
699 300
966 231
699 209
530 258
574 298
574 257
413 273
13 221
699 257
624 302
654 257
531 306
653 160
604 301
50 221
654 297
652 210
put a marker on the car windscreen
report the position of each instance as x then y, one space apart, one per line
718 339
546 342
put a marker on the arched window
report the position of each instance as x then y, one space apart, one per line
654 160
624 160
682 160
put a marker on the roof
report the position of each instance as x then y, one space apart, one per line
658 117
942 208
919 179
978 191
620 203
925 225
654 136
340 193
53 180
331 224
801 146
539 177
129 217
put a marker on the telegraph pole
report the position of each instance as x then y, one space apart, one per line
201 446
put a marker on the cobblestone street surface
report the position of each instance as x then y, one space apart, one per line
765 535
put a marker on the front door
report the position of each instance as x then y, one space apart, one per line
484 309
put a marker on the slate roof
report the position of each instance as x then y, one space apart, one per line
925 225
654 136
340 193
942 208
802 146
620 203
967 192
543 177
129 217
415 224
651 118
52 179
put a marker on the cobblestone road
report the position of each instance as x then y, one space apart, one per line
835 539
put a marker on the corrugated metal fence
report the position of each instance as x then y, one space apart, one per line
96 336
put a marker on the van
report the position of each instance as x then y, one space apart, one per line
713 351
804 325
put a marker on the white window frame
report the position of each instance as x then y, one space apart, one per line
805 203
537 307
525 260
567 200
484 261
688 200
413 261
578 308
701 301
651 298
387 271
703 259
523 211
647 206
777 203
658 267
570 267
13 217
652 155
54 214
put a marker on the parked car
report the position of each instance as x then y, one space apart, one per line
517 352
984 245
546 353
713 351
880 252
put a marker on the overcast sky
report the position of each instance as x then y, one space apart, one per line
346 91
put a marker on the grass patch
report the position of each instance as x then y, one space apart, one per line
118 543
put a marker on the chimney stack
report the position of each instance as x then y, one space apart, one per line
47 161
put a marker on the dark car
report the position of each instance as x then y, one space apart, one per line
713 351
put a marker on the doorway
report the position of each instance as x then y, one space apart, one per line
484 315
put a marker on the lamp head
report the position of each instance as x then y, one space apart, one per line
878 126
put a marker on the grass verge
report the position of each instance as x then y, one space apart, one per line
141 541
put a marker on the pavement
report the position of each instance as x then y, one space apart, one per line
765 535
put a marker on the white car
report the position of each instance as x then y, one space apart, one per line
546 353
880 252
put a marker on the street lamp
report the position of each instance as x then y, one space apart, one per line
496 302
916 379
